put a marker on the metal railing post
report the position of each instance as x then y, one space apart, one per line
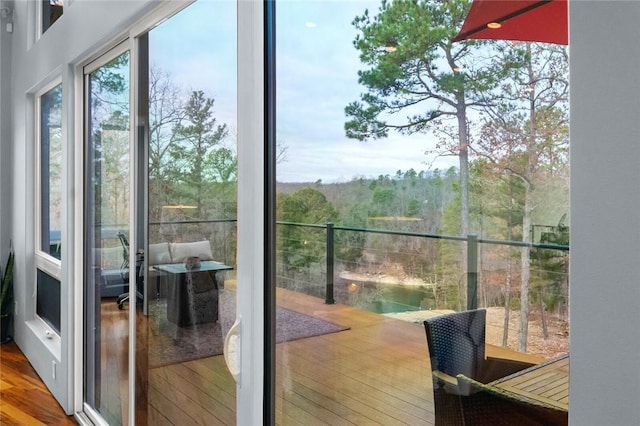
472 271
329 289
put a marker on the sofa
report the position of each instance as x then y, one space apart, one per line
168 253
192 294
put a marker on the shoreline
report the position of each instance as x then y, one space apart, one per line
380 278
418 316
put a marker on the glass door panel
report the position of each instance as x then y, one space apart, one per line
188 114
162 216
106 235
374 238
339 360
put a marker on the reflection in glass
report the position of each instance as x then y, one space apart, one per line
51 11
51 172
375 236
48 300
189 85
107 218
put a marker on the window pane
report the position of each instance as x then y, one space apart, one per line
403 196
51 11
192 206
51 171
48 300
106 238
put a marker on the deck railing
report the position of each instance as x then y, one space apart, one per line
316 253
472 244
404 273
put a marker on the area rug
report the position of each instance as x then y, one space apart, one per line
170 344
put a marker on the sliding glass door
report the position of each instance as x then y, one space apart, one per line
173 222
187 132
106 234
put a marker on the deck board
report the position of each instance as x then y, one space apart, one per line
375 373
547 383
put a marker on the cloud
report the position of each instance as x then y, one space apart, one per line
317 77
331 162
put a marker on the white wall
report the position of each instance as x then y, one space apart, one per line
605 212
5 139
85 27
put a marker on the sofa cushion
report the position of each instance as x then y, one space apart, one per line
159 254
180 251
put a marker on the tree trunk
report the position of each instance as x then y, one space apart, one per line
507 300
528 209
464 195
525 275
543 316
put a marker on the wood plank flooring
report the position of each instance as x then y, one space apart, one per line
547 383
376 373
24 399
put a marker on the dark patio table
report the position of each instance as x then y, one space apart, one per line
193 293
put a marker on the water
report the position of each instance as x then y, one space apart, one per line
382 298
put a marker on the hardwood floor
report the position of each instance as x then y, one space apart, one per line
24 399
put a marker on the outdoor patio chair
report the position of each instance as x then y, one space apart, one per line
456 345
482 404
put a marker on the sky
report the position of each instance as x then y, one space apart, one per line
316 78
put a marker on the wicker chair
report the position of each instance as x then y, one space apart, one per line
457 346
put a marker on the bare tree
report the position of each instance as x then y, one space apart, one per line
527 137
166 110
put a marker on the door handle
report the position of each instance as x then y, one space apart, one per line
231 350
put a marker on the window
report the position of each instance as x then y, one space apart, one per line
49 220
51 12
48 300
50 143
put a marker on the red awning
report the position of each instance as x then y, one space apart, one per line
524 20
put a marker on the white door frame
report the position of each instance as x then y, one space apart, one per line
251 207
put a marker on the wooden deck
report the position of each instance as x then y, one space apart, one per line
375 373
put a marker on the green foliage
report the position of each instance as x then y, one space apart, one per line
199 170
350 245
497 202
110 77
383 202
307 205
413 65
191 163
550 267
514 303
413 209
301 247
6 287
